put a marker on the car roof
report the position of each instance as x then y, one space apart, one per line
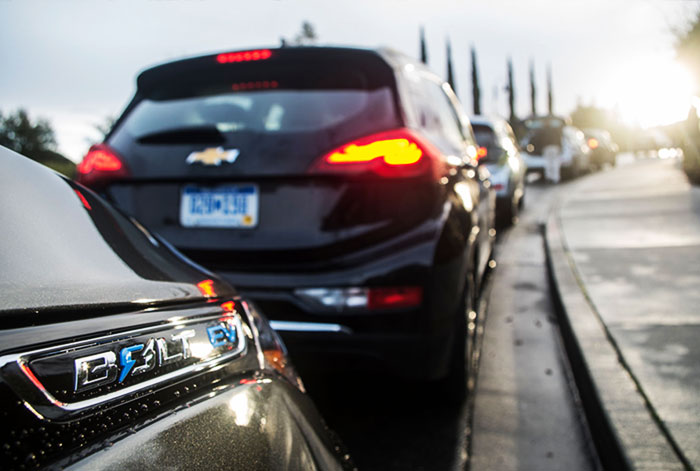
301 55
486 120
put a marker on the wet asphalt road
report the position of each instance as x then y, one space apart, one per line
523 411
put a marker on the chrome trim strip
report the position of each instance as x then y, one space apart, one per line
289 326
77 406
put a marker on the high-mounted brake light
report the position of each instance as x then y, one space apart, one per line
243 56
396 153
100 165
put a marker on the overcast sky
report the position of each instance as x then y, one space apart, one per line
75 61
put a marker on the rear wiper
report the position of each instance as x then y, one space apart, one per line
184 135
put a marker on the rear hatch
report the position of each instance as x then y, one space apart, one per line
220 152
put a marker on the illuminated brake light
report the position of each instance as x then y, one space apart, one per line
396 153
388 298
392 151
100 165
481 153
592 143
243 56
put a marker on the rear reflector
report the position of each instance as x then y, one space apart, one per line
100 165
387 298
354 298
243 56
396 153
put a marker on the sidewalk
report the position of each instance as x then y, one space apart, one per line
624 253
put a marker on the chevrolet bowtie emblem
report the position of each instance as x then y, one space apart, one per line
213 156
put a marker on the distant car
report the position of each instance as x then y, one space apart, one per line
116 352
603 149
554 131
337 187
499 152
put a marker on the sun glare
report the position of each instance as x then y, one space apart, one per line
649 92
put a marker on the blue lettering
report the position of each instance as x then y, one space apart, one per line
126 360
220 335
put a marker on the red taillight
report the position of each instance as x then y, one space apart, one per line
100 165
243 56
396 153
593 143
481 153
387 298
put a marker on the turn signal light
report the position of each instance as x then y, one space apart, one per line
396 153
100 165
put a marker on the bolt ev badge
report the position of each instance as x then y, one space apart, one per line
59 381
213 156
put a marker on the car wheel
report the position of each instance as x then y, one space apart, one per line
455 384
507 215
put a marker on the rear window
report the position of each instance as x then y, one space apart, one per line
484 135
339 99
262 111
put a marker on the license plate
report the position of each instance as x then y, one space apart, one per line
223 206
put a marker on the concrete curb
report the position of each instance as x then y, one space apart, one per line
626 433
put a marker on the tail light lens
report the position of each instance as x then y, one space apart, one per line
243 56
593 143
358 299
481 153
387 298
392 154
100 165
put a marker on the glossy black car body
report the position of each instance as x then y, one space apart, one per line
118 353
368 260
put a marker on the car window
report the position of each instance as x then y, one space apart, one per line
268 111
436 116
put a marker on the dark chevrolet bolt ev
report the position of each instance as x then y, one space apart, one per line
335 187
118 353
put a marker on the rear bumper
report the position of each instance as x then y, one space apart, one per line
408 355
410 342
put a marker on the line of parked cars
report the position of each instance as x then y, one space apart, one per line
577 151
343 192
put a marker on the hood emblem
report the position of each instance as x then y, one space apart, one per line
213 156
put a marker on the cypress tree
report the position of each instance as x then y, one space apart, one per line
533 90
550 99
476 92
511 91
423 48
450 75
